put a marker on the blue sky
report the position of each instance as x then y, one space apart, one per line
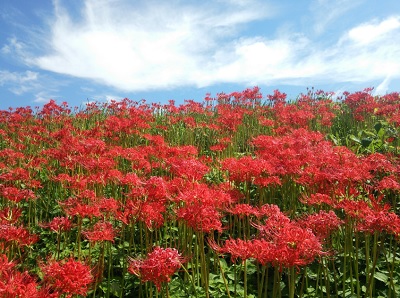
80 50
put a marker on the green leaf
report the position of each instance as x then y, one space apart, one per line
378 126
365 142
354 138
381 276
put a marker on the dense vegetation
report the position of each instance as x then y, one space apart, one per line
238 196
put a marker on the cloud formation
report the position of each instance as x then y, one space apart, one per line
145 46
19 82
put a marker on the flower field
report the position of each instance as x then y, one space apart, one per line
241 195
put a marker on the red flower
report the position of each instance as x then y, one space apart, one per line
203 218
277 96
243 210
59 224
322 223
109 206
15 194
158 267
389 182
317 199
68 277
190 168
10 215
19 235
14 283
76 207
101 231
151 213
296 246
371 217
237 248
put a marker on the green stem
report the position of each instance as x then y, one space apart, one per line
356 267
223 277
245 278
292 282
375 253
191 280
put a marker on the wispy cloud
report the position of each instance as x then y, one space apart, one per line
140 46
383 87
28 83
374 31
44 97
19 82
326 12
14 47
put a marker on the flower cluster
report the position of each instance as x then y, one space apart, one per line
158 267
277 182
69 277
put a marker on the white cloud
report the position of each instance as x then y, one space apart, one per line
137 48
383 87
19 82
148 45
373 32
327 11
43 97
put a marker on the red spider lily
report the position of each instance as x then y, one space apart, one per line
58 224
101 231
296 246
267 181
259 249
185 152
10 215
190 169
277 97
52 109
379 163
230 117
16 194
247 169
201 218
109 206
322 224
20 235
318 199
361 103
151 213
11 157
237 248
75 207
291 246
158 267
201 205
14 283
304 156
274 215
243 210
201 193
389 183
219 147
76 182
131 179
68 277
371 217
130 211
156 189
19 174
296 116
